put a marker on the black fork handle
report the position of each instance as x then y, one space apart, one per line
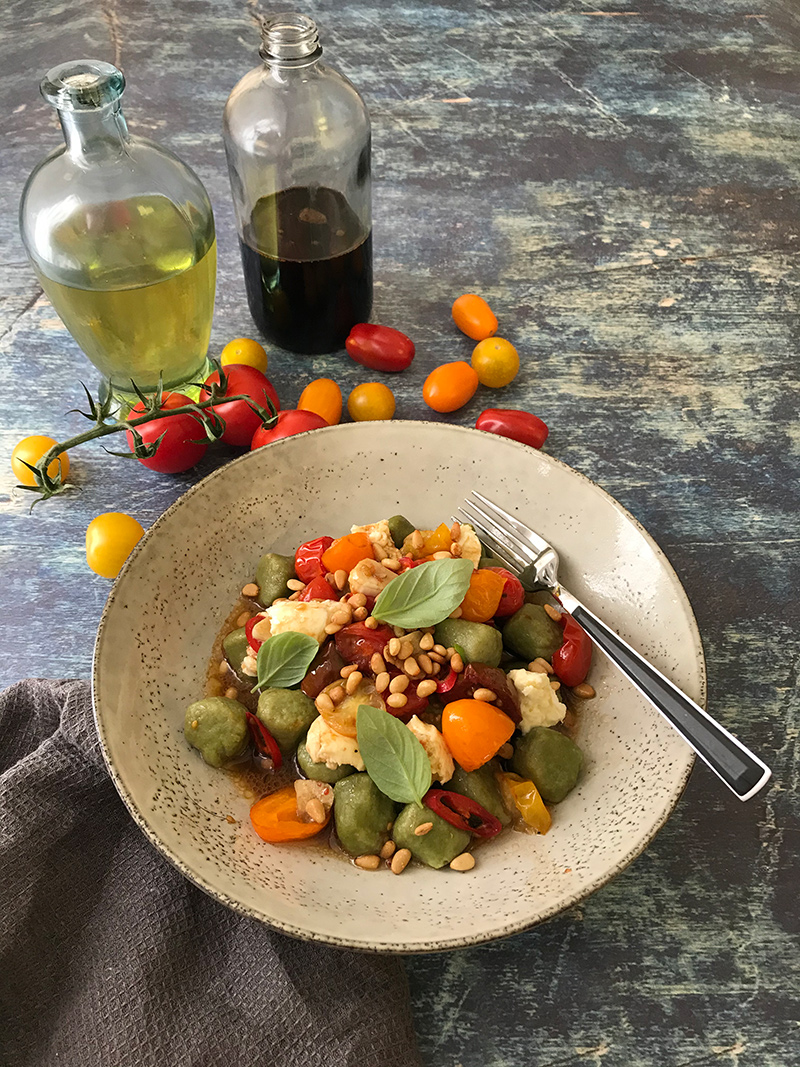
740 769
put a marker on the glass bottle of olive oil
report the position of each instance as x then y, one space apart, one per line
121 235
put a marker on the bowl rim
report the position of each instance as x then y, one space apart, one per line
394 948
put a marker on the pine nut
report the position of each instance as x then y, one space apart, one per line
333 628
382 681
340 578
584 691
435 657
323 703
368 863
348 669
455 550
393 646
400 860
294 596
551 611
340 618
424 689
411 667
392 564
231 693
440 650
505 751
315 811
357 600
222 667
426 642
425 662
423 828
360 614
399 684
457 663
397 700
484 694
379 552
464 862
370 623
406 650
442 555
295 585
556 685
540 666
262 630
456 613
388 850
354 681
337 694
455 531
250 590
329 578
436 668
417 540
243 618
376 664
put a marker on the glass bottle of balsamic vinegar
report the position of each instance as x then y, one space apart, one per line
121 235
297 137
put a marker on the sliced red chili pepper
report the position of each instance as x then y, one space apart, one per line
462 812
308 558
248 629
265 743
572 661
447 683
407 562
319 588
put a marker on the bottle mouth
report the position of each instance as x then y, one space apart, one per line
82 85
289 36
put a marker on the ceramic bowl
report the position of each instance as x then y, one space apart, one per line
183 578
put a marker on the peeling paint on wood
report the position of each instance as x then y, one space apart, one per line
622 185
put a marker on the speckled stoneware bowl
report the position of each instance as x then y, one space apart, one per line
184 576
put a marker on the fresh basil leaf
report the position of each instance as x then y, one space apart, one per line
460 650
424 595
395 760
283 660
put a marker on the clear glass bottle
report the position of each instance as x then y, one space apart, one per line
297 136
121 235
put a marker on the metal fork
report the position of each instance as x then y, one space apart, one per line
535 561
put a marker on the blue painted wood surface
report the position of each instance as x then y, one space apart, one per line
622 185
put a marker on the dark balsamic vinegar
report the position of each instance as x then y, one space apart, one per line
308 269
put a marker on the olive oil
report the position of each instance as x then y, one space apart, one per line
135 288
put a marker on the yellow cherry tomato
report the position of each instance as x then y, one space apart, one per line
324 397
110 537
245 351
370 402
30 450
495 361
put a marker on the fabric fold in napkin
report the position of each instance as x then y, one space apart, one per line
110 958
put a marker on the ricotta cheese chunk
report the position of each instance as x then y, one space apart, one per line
331 748
442 766
538 703
303 616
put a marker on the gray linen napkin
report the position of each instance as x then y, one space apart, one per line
108 956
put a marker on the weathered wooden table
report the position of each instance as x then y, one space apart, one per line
623 186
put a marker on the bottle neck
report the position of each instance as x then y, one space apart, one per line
94 135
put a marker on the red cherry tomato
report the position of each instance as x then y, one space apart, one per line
519 425
358 644
572 661
289 423
379 347
319 588
308 558
513 596
241 422
184 443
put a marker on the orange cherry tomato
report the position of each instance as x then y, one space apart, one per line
346 551
324 397
274 818
371 402
473 731
438 540
450 386
474 317
483 596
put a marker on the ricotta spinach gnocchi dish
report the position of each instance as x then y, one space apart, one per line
401 693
